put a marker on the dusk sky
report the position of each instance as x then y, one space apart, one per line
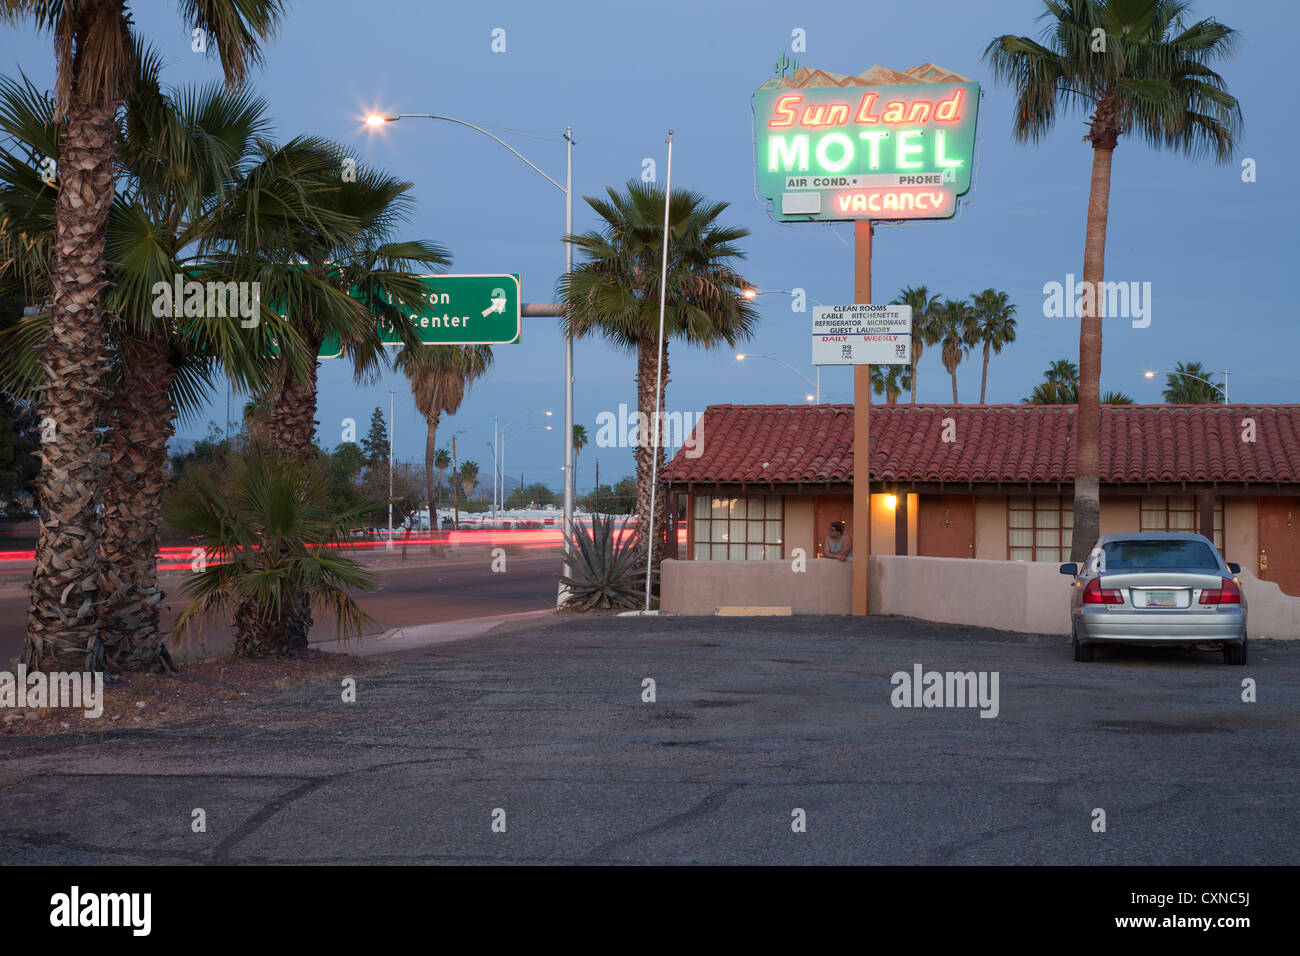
1220 254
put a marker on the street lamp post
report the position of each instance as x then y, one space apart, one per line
1152 373
754 293
504 440
741 356
505 429
567 189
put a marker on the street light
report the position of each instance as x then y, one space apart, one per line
375 120
502 434
755 293
504 440
741 356
1152 373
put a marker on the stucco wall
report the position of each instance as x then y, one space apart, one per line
1120 515
1270 613
701 587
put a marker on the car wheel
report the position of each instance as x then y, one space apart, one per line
1235 653
1082 652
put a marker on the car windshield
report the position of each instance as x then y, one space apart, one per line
1135 555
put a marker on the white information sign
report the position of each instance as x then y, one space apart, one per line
862 335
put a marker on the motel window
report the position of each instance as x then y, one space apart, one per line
1039 528
738 529
1179 513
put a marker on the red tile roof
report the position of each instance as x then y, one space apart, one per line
785 444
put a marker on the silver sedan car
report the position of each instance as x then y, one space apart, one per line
1157 589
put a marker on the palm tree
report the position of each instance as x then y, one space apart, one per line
1151 77
957 333
924 324
579 443
1183 386
1116 398
441 461
615 292
179 154
1060 385
468 478
890 381
440 377
95 63
995 323
269 540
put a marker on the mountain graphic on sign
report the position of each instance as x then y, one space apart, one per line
805 77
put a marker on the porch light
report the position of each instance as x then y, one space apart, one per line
891 502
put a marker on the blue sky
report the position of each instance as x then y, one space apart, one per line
1220 254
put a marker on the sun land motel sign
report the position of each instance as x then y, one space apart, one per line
880 146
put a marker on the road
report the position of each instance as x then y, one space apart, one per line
546 726
449 590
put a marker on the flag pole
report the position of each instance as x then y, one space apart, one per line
659 375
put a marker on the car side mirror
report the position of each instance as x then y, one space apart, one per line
1071 569
1234 567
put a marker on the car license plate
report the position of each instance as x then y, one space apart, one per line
1161 599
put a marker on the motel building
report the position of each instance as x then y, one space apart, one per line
972 506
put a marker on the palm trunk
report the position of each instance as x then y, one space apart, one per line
293 428
649 444
1087 451
955 400
916 355
61 621
135 479
984 375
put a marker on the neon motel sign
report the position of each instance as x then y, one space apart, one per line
897 151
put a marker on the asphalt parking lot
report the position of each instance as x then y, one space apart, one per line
532 744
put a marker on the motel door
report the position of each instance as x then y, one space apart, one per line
1279 542
945 526
828 508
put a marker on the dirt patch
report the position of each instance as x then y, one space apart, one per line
217 688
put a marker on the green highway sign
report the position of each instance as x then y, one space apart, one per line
464 310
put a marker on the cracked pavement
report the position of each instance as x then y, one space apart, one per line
754 717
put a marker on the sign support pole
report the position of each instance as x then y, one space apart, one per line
861 427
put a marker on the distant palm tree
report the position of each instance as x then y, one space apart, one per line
441 461
579 443
614 292
1060 385
1151 77
890 381
956 336
1182 386
468 478
440 378
995 322
1116 398
924 325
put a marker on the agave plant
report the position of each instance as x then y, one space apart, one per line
608 565
268 542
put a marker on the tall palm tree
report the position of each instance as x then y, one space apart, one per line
925 309
178 154
468 478
440 378
1151 77
995 323
1183 386
957 334
890 381
95 63
615 292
